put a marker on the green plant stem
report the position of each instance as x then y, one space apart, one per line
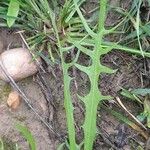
102 15
67 95
69 107
125 49
94 97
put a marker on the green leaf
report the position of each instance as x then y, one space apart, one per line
141 117
1 144
124 119
90 32
141 91
130 95
137 27
61 146
27 135
93 71
127 94
147 110
12 12
140 147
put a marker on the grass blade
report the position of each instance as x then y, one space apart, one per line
1 144
90 32
12 13
137 27
27 135
127 121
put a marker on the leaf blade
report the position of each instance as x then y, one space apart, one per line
12 13
27 135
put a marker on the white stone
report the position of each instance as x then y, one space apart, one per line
18 63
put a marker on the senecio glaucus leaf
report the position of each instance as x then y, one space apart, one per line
93 71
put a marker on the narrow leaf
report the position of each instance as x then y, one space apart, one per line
141 91
61 146
90 32
105 69
12 13
130 95
147 110
124 119
137 25
27 135
1 144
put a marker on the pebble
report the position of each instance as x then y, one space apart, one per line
18 63
13 100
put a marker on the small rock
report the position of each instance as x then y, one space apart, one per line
18 63
13 100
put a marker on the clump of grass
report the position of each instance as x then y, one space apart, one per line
136 26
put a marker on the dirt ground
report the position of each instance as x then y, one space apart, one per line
130 74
